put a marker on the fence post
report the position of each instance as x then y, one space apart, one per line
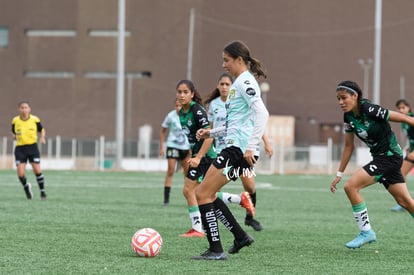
4 152
58 147
74 152
102 153
329 156
282 157
49 148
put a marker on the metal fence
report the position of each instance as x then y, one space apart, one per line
100 154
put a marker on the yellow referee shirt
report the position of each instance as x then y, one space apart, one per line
26 130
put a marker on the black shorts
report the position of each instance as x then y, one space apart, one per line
386 169
174 153
197 173
232 161
26 153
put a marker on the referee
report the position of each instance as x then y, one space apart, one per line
25 129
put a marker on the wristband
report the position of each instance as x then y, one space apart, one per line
339 174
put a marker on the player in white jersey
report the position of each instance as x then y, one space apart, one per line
217 115
173 138
246 121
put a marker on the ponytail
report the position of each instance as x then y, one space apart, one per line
238 48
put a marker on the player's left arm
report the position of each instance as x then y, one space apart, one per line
399 117
268 146
261 115
42 132
200 116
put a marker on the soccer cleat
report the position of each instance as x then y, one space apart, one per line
398 208
28 191
246 202
249 221
43 195
237 245
192 233
363 237
210 255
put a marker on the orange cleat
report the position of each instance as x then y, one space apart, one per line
246 202
192 233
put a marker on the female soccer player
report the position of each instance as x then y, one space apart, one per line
246 121
404 107
193 117
178 148
370 123
217 114
25 129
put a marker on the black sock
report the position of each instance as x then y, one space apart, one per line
23 180
210 224
167 190
224 214
253 198
40 181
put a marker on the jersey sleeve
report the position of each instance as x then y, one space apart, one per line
200 116
39 126
12 125
410 131
166 122
375 111
347 124
250 90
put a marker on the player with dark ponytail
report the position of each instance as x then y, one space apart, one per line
370 123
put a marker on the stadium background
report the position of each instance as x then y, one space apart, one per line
306 47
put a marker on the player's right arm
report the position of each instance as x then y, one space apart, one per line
13 131
346 156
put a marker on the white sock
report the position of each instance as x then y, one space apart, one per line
230 198
362 220
195 218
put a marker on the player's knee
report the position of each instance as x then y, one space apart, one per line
349 188
188 191
170 172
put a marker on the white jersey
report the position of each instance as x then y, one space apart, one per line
217 115
243 92
176 136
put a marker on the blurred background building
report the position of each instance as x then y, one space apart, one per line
61 55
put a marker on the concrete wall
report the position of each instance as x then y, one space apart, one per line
306 47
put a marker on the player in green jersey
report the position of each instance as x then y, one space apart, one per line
193 117
370 123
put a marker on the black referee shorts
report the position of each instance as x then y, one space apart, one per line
25 153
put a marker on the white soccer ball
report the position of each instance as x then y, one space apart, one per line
146 242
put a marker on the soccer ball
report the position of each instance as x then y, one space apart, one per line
146 242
